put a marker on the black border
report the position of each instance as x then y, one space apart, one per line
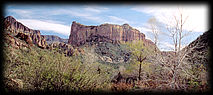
52 2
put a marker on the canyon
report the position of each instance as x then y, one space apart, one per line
105 55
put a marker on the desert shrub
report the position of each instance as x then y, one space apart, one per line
41 69
88 77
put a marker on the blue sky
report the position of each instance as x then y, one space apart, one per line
57 19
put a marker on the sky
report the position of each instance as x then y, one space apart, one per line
56 19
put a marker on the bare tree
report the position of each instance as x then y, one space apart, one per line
155 27
176 32
173 33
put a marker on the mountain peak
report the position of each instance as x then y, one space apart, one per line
16 27
10 19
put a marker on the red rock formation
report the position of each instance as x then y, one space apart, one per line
24 37
17 27
80 33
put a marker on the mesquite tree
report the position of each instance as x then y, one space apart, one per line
139 52
140 59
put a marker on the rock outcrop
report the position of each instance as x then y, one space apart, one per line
24 37
62 48
16 27
16 42
117 33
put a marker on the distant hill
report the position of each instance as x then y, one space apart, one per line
52 38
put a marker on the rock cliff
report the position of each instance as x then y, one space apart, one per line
16 27
117 33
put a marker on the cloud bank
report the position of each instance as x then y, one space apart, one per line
197 16
46 26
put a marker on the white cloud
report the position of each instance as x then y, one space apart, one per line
95 8
92 9
83 14
197 15
144 29
45 25
20 12
116 20
165 46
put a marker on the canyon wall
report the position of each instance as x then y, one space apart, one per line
80 33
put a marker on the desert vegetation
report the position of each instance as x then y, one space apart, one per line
32 69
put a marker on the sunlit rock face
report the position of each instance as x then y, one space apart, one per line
79 33
16 27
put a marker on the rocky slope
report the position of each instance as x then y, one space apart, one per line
52 38
62 48
16 27
198 50
109 51
117 33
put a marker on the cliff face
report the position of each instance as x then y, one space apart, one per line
80 33
52 38
16 27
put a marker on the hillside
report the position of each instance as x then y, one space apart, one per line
197 52
30 68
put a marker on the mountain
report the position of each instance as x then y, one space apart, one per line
79 33
52 38
16 27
